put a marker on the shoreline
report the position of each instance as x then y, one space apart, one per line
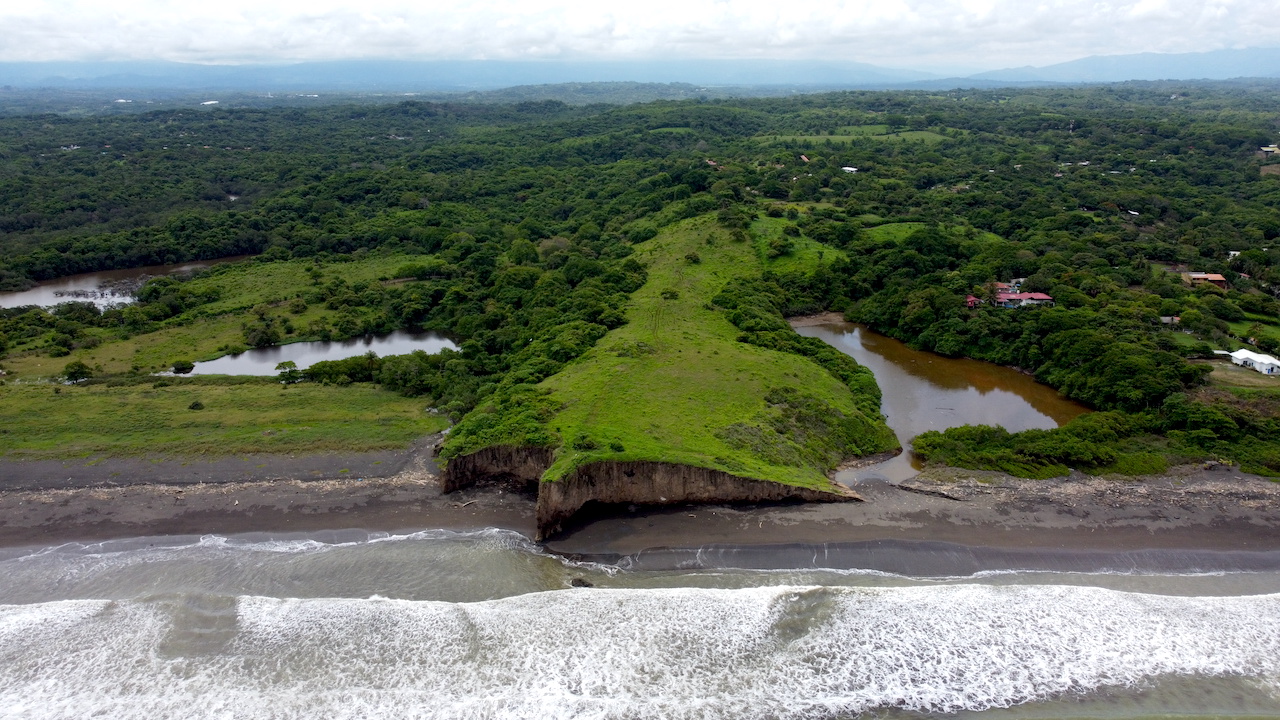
1187 509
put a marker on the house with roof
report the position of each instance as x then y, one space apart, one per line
1200 278
1023 299
1007 299
1264 364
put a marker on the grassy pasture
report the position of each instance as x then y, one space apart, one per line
239 417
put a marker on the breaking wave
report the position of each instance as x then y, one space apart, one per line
762 652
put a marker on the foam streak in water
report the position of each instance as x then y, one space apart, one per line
811 652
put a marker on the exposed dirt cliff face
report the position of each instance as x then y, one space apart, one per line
499 462
656 483
642 483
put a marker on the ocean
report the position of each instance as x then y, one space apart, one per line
487 624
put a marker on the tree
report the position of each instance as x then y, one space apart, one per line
75 371
289 373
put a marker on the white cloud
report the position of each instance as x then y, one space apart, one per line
933 33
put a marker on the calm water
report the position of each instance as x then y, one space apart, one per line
100 288
485 624
922 391
263 361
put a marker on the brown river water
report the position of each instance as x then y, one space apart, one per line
923 391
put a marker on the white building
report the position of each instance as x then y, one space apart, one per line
1264 364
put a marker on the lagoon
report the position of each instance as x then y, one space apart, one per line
263 361
923 391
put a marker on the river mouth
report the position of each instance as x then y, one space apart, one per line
922 391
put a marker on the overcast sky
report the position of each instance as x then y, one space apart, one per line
939 35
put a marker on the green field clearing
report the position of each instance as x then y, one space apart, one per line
1229 375
806 253
665 386
1269 330
895 232
258 416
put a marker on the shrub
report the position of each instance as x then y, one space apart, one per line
182 367
197 405
75 371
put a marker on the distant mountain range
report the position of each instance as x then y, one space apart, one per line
1216 65
411 76
473 76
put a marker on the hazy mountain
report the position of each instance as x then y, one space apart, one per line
1216 65
578 81
412 76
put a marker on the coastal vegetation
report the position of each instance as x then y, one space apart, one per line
616 277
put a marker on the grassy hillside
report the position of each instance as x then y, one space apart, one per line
676 385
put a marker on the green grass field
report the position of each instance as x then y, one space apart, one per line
805 255
666 385
55 421
895 232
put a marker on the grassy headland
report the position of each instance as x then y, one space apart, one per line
676 385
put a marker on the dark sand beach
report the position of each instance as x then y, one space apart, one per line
1189 508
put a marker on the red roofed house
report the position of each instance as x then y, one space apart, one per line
1013 300
1026 299
1200 278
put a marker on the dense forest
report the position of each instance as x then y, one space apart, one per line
514 229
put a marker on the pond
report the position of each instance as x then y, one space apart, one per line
922 391
263 361
109 287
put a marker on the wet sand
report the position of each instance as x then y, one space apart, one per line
1189 508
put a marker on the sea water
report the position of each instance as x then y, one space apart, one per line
486 624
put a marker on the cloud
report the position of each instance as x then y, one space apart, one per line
938 33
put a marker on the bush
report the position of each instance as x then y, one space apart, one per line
76 371
197 405
584 442
182 367
780 246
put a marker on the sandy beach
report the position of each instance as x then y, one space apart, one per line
51 502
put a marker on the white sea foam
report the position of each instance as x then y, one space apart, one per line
775 652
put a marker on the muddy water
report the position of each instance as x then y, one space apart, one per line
923 391
100 288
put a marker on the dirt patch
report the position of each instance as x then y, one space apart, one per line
825 318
